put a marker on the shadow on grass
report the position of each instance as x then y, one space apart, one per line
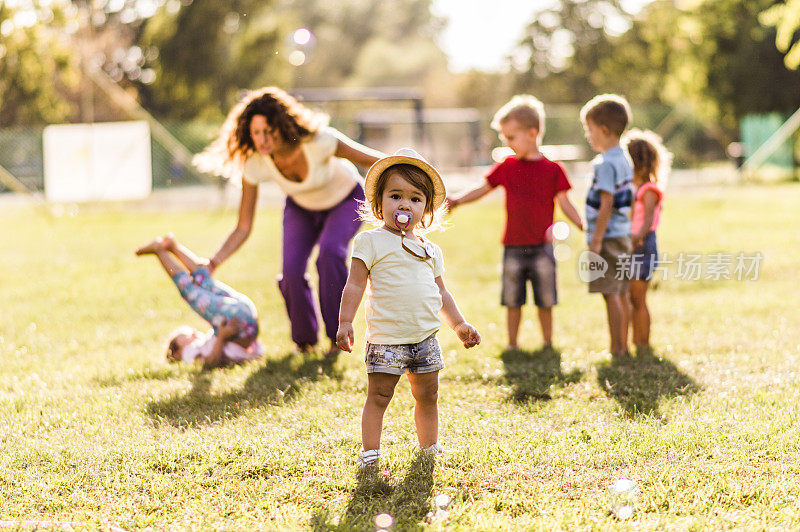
408 502
271 384
638 384
532 374
142 374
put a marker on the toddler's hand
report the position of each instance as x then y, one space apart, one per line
344 336
229 328
468 334
595 247
450 204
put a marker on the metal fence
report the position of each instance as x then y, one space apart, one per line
22 155
449 142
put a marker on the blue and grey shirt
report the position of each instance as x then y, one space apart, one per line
613 173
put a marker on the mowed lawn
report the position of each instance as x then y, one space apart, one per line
99 430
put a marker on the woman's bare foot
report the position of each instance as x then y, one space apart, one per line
304 349
153 247
332 351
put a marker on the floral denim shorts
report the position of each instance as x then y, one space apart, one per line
422 357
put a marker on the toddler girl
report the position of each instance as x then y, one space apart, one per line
405 298
231 314
651 160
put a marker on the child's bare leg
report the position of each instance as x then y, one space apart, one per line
169 263
640 314
425 389
151 247
184 254
616 323
514 317
379 392
629 309
626 321
546 324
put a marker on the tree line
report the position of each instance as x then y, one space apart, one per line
189 59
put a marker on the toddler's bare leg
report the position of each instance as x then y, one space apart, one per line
151 247
184 254
425 389
379 392
156 247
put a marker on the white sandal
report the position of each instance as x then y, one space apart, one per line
369 458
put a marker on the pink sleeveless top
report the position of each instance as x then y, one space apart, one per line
638 207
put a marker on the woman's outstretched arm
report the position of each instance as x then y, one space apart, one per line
244 224
355 152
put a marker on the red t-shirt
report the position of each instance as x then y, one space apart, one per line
531 188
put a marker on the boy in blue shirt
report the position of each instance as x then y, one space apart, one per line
608 205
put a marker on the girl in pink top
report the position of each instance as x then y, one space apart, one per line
650 160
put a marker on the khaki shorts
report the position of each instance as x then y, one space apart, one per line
616 278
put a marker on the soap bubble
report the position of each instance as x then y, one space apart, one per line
562 252
384 521
624 496
442 500
302 36
560 230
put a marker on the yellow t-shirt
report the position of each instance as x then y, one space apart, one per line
403 300
330 179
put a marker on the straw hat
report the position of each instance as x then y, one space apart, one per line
406 156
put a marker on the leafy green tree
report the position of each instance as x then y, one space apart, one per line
711 56
369 43
36 67
732 64
207 51
566 44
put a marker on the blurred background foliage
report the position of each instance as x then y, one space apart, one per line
714 61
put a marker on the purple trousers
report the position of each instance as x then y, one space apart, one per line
332 230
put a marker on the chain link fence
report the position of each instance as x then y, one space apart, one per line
22 155
449 143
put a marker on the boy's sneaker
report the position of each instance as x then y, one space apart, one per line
434 449
368 458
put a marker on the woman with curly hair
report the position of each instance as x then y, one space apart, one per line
270 136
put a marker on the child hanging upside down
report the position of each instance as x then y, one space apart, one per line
231 314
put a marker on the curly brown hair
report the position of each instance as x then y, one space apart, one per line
294 122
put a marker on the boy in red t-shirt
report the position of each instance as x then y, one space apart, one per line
533 184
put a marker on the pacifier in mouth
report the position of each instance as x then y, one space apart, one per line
402 219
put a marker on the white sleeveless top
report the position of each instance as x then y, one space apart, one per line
330 179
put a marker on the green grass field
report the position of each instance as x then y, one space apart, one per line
98 429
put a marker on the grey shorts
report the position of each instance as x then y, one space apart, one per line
536 264
422 357
614 251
